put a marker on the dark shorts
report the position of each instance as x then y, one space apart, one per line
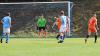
40 28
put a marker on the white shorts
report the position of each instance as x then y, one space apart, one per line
62 28
6 30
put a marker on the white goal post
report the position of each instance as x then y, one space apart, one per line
68 7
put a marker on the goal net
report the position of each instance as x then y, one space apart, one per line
24 14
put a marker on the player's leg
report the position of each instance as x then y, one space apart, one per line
57 37
44 32
2 38
89 33
61 37
39 31
96 36
7 34
86 38
64 33
7 37
3 34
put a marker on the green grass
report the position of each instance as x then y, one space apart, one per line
49 47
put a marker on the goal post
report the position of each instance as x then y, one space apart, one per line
25 13
70 6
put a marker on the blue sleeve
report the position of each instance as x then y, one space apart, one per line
2 19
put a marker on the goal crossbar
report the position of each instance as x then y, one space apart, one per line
36 2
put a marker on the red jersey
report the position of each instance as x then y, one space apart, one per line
58 23
92 22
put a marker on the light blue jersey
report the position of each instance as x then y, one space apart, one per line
63 23
63 20
6 21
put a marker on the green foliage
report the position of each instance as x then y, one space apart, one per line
82 11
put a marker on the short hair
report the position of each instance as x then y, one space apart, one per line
7 14
94 14
55 17
62 12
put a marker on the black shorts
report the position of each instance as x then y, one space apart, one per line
40 28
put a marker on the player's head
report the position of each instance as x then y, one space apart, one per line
94 14
7 14
55 17
62 12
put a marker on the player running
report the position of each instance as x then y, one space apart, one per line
58 24
6 21
41 25
63 27
92 27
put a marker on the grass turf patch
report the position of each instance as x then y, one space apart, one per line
49 47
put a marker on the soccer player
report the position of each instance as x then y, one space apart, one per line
92 27
58 24
63 27
6 21
41 24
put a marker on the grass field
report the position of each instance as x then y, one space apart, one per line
49 47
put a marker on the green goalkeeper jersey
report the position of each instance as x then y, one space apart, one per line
41 22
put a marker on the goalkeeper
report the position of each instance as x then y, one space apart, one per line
41 25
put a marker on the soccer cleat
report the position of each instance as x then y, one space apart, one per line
6 42
60 41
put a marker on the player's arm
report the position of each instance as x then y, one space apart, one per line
10 21
67 21
97 25
2 21
45 21
37 22
55 23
